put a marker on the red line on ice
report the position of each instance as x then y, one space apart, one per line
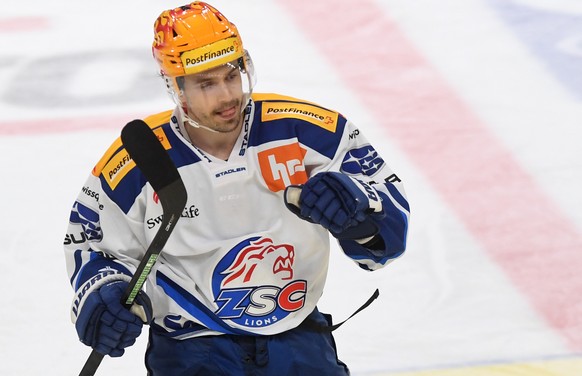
48 126
499 202
18 24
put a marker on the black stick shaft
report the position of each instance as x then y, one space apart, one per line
155 163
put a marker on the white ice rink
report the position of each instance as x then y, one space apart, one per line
476 104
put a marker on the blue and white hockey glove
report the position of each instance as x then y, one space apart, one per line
108 327
342 204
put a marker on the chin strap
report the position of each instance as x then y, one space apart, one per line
193 123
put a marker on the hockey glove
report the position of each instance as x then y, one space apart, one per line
108 327
342 204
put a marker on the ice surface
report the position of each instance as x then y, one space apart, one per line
476 104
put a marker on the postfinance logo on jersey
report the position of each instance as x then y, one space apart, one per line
121 163
282 166
316 115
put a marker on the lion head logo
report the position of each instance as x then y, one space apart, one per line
260 256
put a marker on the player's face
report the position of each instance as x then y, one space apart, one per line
214 97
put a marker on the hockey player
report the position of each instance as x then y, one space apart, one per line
268 178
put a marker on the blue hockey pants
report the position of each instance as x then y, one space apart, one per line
301 352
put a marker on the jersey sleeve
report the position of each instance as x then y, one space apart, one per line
102 239
330 142
105 237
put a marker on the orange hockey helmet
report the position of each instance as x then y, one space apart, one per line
193 38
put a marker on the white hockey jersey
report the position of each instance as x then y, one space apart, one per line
238 261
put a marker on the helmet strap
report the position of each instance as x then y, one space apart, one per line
193 123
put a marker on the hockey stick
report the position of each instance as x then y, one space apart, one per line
154 162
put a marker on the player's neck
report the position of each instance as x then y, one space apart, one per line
219 145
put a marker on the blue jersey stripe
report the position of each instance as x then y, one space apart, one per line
194 307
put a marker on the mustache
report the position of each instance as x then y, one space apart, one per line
226 106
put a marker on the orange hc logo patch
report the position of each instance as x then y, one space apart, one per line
282 166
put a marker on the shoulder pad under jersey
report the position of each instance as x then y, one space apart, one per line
275 107
116 163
